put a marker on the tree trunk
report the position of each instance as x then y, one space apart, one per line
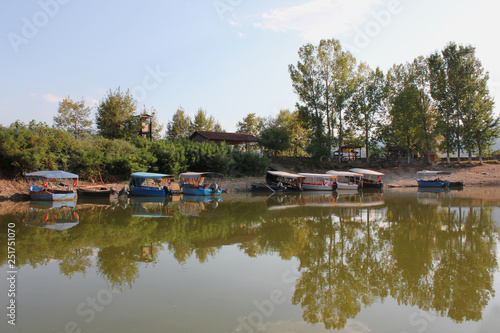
480 153
408 149
366 145
340 136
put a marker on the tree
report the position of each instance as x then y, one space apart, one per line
180 127
74 117
116 115
275 139
249 124
404 115
290 122
459 86
324 81
366 111
204 122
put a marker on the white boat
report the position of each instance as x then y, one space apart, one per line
371 178
318 182
347 180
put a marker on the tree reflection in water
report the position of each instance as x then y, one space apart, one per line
438 255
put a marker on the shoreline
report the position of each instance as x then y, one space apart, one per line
14 190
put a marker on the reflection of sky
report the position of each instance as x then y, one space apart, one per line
496 217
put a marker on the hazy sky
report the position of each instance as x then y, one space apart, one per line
229 57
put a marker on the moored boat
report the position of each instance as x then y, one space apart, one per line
427 178
201 183
277 181
92 192
347 180
149 184
318 182
51 185
371 178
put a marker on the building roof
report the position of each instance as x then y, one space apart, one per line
228 137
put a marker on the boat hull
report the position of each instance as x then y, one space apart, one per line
432 183
52 196
97 193
200 191
313 187
147 192
345 186
373 185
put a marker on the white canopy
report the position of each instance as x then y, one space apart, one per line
317 175
344 173
285 174
366 172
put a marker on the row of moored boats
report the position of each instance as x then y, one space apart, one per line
62 185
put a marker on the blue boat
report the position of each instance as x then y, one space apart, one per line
201 183
51 185
428 178
147 184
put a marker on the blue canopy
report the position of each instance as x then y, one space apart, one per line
51 174
149 175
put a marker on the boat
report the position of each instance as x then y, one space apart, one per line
347 180
201 183
147 184
95 192
371 178
51 185
277 181
318 182
428 178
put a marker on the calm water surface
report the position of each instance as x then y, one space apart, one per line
395 261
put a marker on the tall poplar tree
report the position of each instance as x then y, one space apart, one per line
324 80
459 86
181 125
367 108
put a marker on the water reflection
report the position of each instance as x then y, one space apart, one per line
52 215
435 251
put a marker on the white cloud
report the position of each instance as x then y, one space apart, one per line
52 98
318 19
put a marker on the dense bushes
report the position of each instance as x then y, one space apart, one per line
174 157
32 147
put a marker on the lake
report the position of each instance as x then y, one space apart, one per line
391 261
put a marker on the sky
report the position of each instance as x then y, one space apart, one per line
228 57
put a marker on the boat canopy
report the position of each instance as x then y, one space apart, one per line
285 174
366 172
187 175
150 175
51 175
429 173
344 173
317 175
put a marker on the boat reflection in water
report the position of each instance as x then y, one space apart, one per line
56 215
344 198
194 205
151 206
